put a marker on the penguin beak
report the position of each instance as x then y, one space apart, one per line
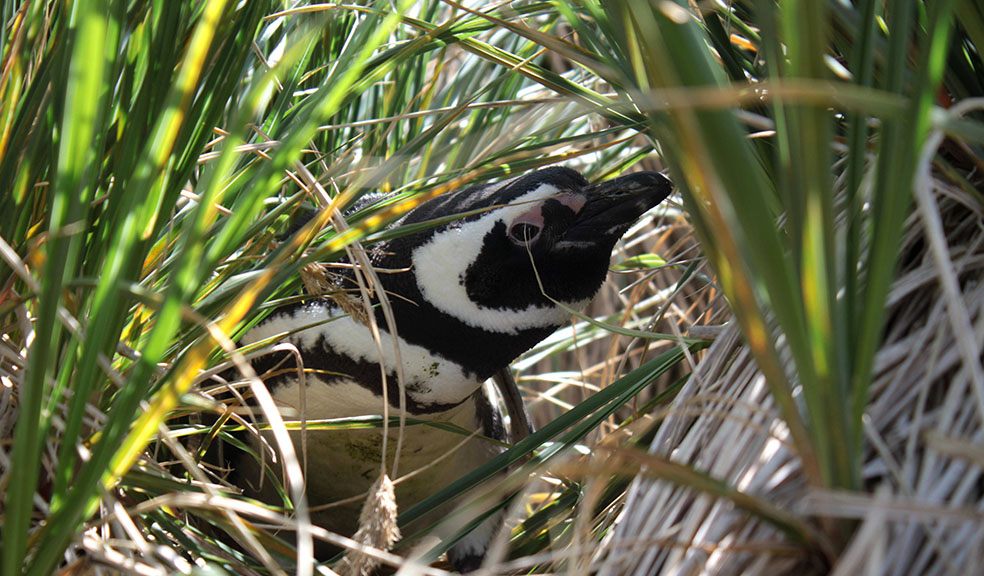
612 206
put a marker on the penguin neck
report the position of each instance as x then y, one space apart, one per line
480 352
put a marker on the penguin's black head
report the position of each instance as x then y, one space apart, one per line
543 237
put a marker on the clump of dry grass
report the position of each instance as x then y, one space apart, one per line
920 512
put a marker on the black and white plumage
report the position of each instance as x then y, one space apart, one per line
467 303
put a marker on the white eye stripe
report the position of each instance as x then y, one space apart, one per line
440 265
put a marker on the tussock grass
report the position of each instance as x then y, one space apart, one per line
919 511
154 155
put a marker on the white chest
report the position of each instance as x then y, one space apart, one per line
342 464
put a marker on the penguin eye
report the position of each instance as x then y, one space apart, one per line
524 233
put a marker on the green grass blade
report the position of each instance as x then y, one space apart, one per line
891 198
138 224
93 49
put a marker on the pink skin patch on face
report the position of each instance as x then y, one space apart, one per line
573 201
534 216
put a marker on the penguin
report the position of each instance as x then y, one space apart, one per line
468 296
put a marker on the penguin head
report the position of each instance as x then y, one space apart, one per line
522 246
